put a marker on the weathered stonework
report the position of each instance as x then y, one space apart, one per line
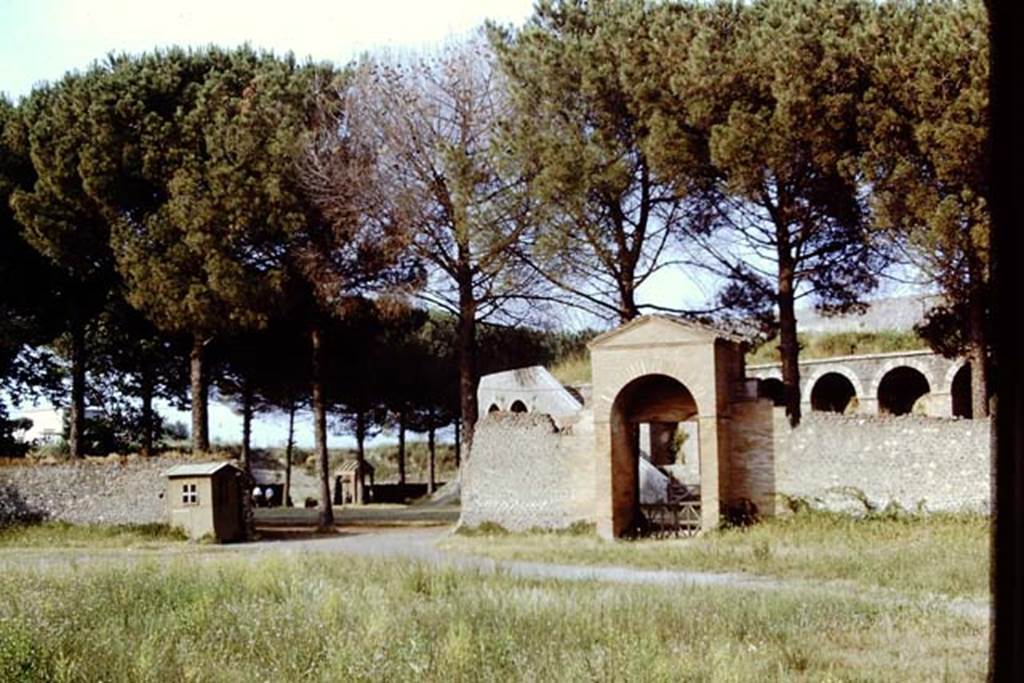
526 472
937 464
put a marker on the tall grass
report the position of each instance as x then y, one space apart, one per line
334 618
935 554
573 369
64 535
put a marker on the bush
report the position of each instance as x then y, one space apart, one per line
15 510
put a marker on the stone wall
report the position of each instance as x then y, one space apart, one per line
95 491
940 464
525 473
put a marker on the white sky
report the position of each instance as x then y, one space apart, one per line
42 39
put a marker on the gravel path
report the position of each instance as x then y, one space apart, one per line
421 544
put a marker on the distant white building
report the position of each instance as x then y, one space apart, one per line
526 390
47 423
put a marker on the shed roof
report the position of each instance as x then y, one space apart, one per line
204 469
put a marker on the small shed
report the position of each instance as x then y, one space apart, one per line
350 483
205 499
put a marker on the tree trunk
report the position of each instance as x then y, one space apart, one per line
249 513
458 443
289 447
431 460
76 418
401 447
627 297
146 389
361 456
789 346
325 513
198 380
466 351
247 400
977 349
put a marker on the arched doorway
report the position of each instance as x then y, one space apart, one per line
518 407
772 389
832 393
960 392
493 409
900 389
653 400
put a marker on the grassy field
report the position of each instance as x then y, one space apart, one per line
70 536
335 618
937 554
829 345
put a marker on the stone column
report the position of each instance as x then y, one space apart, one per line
709 498
603 480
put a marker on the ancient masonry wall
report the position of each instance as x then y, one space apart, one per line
933 463
526 473
95 491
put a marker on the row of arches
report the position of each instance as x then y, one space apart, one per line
899 391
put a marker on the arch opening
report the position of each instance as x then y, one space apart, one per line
493 409
960 392
833 392
655 449
900 390
772 389
518 407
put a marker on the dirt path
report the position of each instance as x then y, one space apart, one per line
421 544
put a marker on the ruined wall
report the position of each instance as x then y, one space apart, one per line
943 464
524 473
94 491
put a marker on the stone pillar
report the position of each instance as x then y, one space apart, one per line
603 480
868 405
709 480
940 404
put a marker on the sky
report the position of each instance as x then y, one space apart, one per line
42 39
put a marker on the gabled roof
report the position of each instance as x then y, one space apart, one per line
204 469
705 331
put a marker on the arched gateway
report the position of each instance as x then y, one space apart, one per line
657 370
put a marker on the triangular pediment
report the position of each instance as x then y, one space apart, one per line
658 329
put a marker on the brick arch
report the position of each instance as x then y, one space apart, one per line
947 380
894 363
695 382
858 387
